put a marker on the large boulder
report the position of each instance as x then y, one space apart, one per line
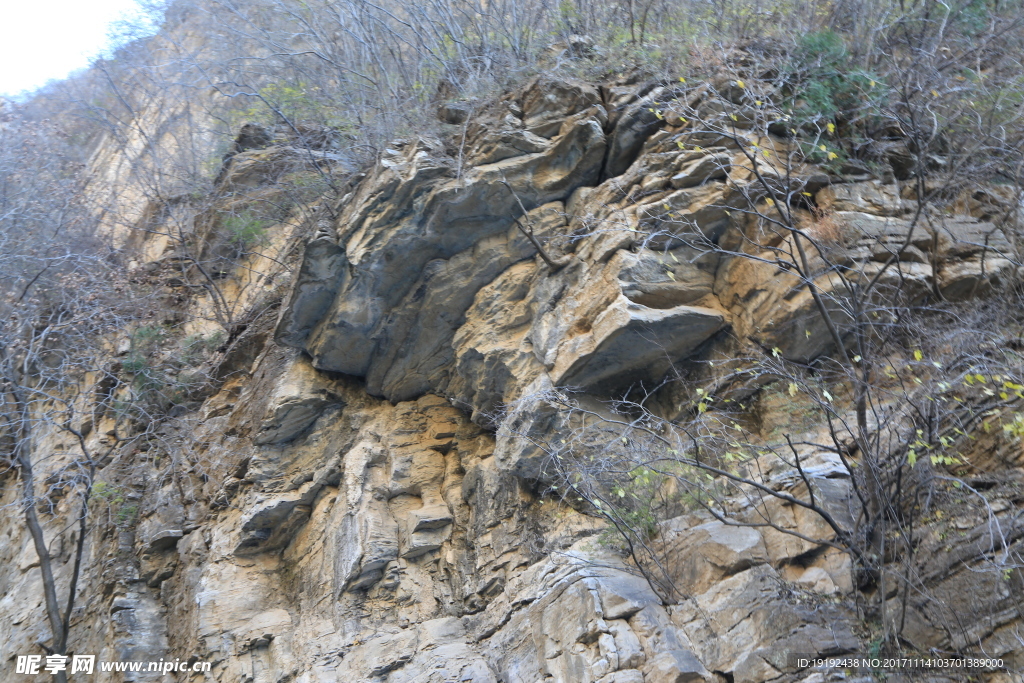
399 234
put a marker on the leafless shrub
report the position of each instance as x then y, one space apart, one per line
905 376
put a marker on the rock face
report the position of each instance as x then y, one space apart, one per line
428 285
341 511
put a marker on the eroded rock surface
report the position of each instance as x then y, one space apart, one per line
342 511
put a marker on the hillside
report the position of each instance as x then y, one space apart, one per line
449 343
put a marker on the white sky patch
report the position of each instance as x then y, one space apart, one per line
42 40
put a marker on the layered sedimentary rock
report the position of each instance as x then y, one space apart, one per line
344 511
428 285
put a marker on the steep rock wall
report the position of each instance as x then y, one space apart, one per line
341 511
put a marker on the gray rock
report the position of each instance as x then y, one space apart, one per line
355 336
675 666
700 171
548 101
454 113
632 129
707 553
632 341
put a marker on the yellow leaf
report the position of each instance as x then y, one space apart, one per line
822 148
828 396
680 145
757 102
872 84
682 80
776 351
832 155
807 194
741 84
733 117
831 128
918 355
767 154
935 93
912 457
792 389
671 275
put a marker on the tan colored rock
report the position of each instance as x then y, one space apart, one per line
700 171
624 676
974 277
675 666
813 579
705 554
744 627
309 531
632 128
452 217
629 338
874 197
547 102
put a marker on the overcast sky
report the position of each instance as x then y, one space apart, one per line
42 40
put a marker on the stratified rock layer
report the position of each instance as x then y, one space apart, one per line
346 515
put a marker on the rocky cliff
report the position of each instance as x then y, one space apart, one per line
345 506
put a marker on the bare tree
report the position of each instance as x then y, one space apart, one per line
893 369
66 402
